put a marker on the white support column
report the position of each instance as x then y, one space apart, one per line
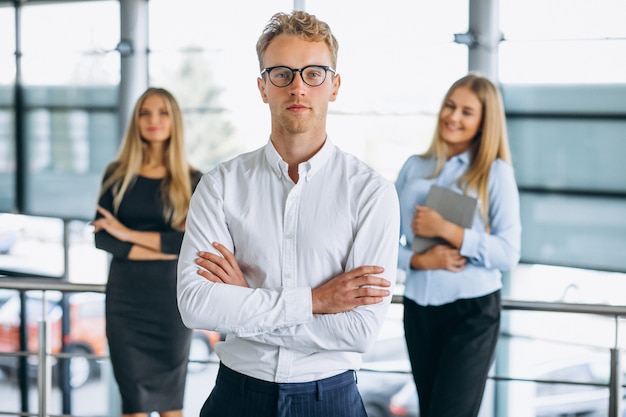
133 49
484 29
299 5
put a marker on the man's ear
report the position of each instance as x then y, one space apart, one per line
260 82
336 84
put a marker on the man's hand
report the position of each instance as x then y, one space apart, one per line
349 290
110 223
223 269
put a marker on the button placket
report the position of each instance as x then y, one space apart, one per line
289 264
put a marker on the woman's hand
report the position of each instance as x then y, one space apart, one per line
140 253
113 226
439 257
427 222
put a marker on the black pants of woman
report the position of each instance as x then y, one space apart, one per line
451 349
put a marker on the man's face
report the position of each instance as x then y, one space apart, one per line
298 108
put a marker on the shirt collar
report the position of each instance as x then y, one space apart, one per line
463 157
306 169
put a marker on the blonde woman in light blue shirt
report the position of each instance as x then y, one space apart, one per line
452 294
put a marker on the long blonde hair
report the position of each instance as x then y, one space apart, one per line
123 171
490 143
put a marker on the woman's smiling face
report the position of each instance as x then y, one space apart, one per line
460 120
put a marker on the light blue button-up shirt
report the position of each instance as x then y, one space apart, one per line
288 238
488 253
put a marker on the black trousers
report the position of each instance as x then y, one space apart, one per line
451 348
238 395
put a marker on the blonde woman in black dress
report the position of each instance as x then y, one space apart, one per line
140 221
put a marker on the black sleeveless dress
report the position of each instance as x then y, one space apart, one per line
148 343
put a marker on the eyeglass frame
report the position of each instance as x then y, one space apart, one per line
326 68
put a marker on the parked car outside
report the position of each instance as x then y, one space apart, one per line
9 232
404 402
557 400
386 366
86 334
202 347
377 388
551 399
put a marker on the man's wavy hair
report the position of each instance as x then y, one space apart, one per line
301 24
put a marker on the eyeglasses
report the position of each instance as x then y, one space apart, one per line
312 75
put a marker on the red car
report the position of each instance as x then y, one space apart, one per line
86 336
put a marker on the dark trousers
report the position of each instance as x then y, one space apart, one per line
451 348
237 395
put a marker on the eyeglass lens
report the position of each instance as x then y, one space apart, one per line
283 76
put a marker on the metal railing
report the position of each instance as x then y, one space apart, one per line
615 380
44 353
44 371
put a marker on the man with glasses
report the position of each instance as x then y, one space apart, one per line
290 249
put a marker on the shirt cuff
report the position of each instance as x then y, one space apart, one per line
404 259
471 241
298 305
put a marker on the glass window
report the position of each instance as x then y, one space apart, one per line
563 41
574 231
567 142
68 149
86 264
78 46
211 67
32 245
213 127
568 364
7 45
569 154
390 88
71 79
7 150
397 60
7 124
397 56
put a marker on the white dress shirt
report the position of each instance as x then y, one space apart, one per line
288 238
